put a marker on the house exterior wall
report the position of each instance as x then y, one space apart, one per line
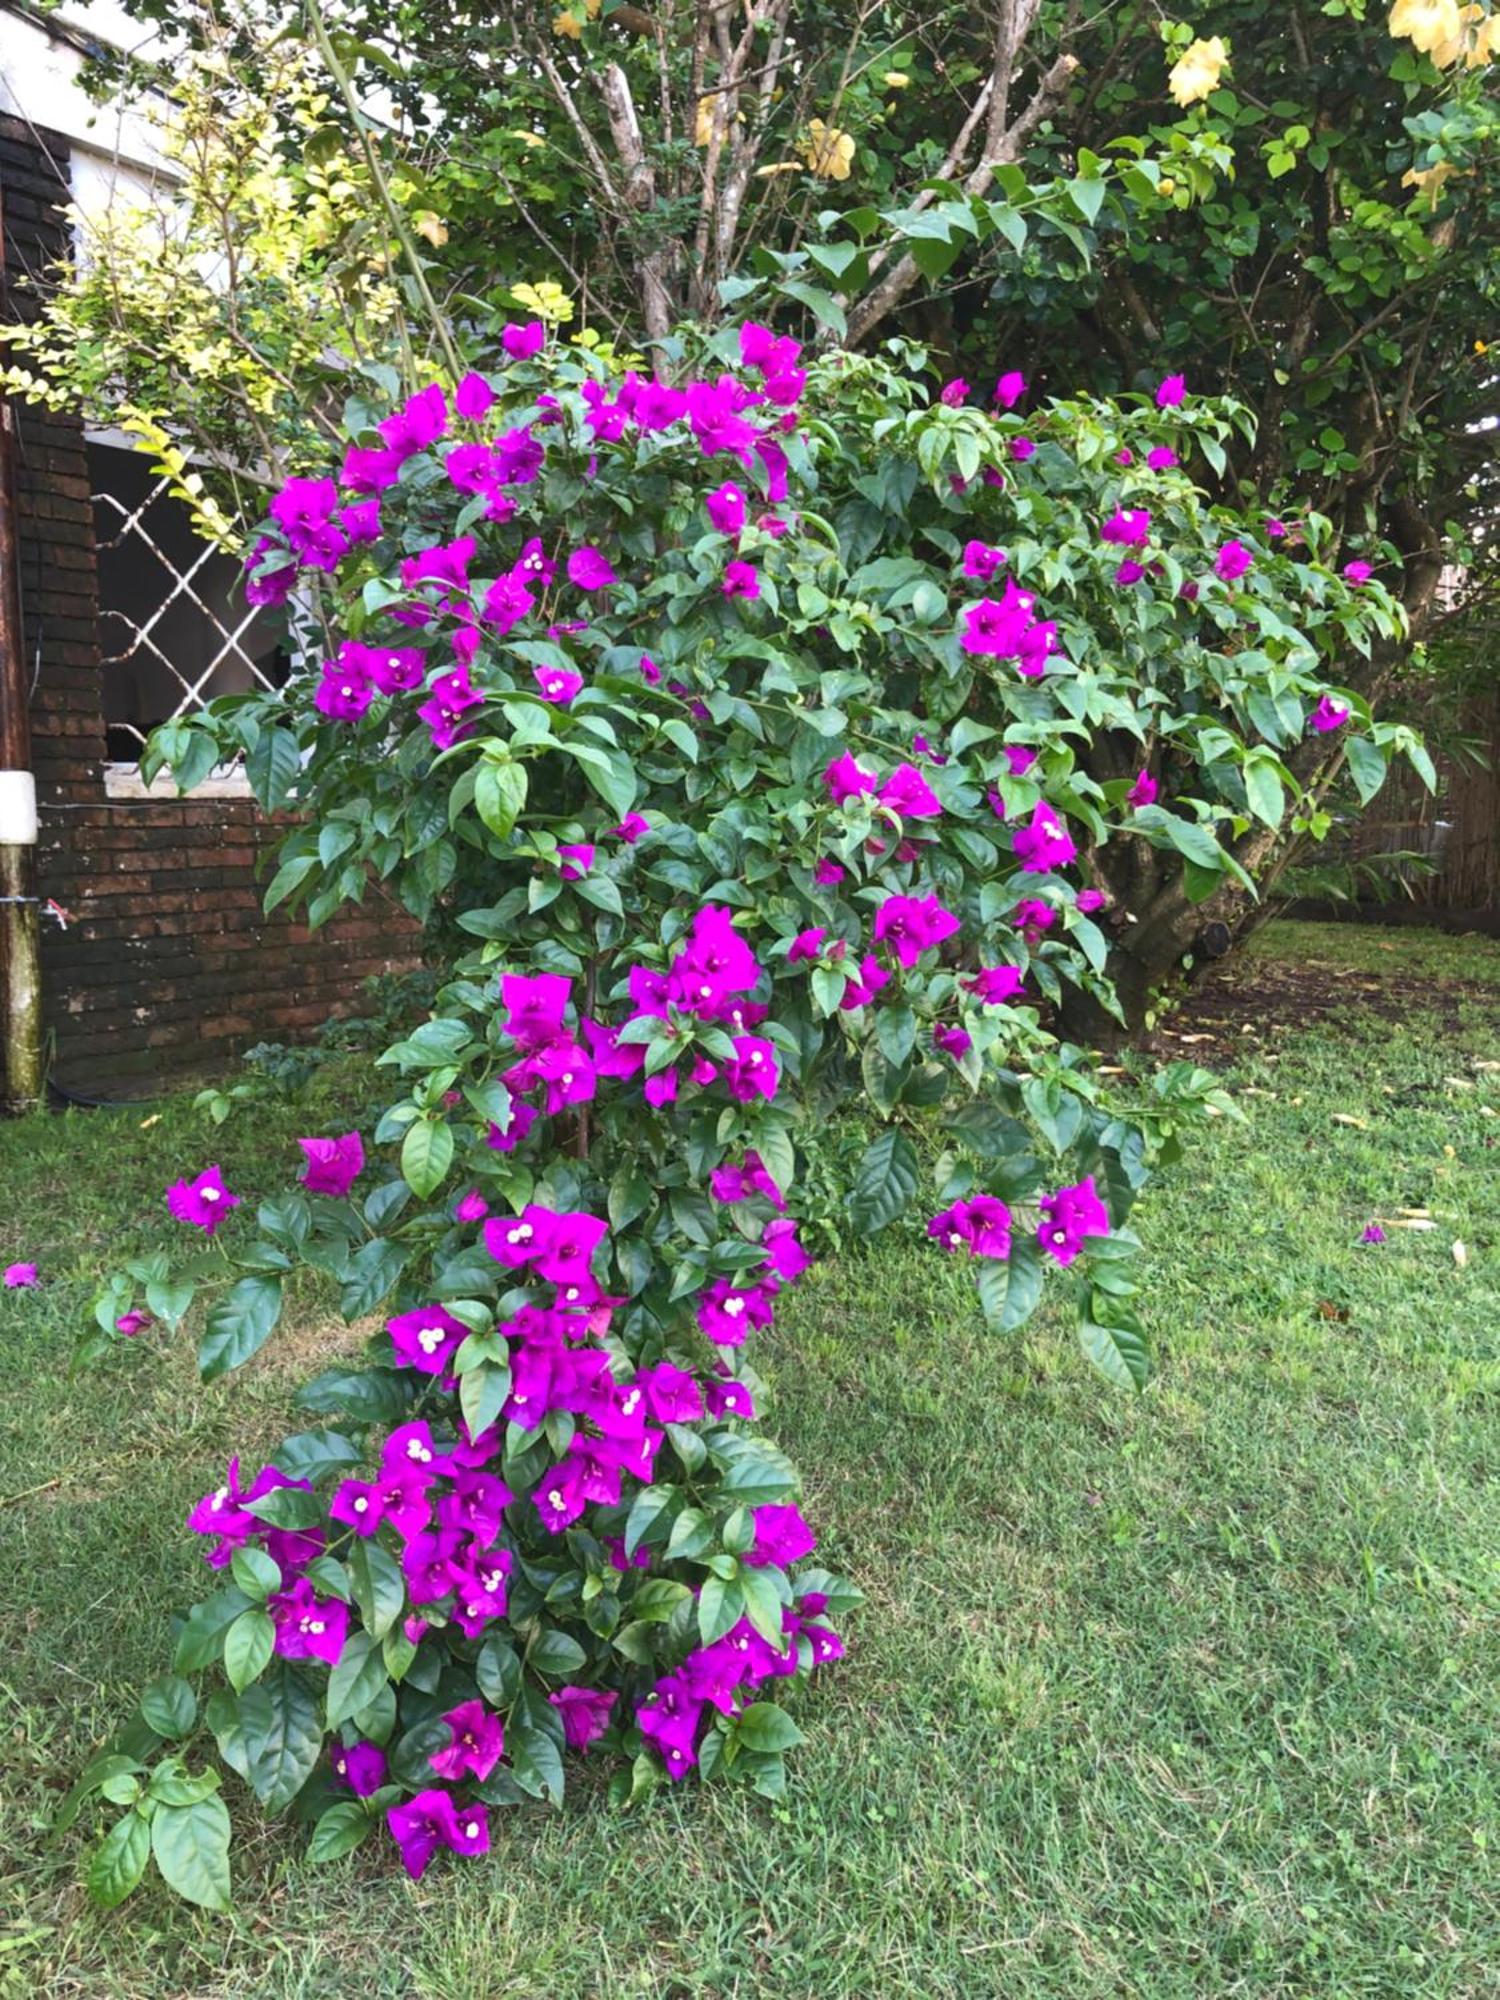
167 964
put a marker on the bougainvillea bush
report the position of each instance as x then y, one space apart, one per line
739 739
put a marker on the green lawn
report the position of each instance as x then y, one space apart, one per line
1191 1694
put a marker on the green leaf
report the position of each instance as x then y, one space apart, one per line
426 1155
281 1735
370 1276
119 1861
256 1573
248 1646
1367 767
500 796
762 1603
764 1726
272 766
191 1848
498 1672
356 1679
648 1504
1264 790
339 1831
202 1637
481 1393
1112 1338
1009 1290
170 1706
721 1606
379 1587
312 1454
885 1182
536 1761
556 1653
239 1326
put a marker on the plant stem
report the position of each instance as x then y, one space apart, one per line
382 188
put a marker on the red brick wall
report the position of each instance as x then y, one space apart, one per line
168 964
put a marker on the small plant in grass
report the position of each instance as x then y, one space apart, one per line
737 740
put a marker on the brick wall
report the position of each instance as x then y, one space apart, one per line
168 964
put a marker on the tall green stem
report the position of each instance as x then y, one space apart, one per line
382 187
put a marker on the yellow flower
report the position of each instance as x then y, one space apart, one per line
1429 24
1196 72
1429 180
431 226
1481 347
527 138
778 167
828 151
568 23
895 79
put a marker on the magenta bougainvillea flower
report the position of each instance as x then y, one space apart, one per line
333 1165
1045 843
585 1713
1127 527
557 684
308 1627
726 1312
981 1226
426 1338
1161 458
1329 715
1358 572
1372 1233
1232 562
1010 388
1129 572
954 393
1022 448
726 508
477 1745
133 1322
534 1006
1068 1217
908 793
453 696
994 985
754 1071
359 1766
910 925
1143 791
590 569
18 1277
982 560
846 778
1034 918
471 1207
432 1820
730 1183
782 1537
577 858
203 1202
1172 393
523 343
1089 900
741 579
952 1041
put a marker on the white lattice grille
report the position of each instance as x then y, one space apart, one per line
125 641
174 628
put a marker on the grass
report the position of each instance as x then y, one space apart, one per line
1190 1694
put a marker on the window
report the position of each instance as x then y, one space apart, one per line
174 627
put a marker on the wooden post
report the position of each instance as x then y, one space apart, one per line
20 953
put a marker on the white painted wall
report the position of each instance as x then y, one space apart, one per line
116 151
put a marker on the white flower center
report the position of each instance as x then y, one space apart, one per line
361 1506
734 1307
471 1831
210 1194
